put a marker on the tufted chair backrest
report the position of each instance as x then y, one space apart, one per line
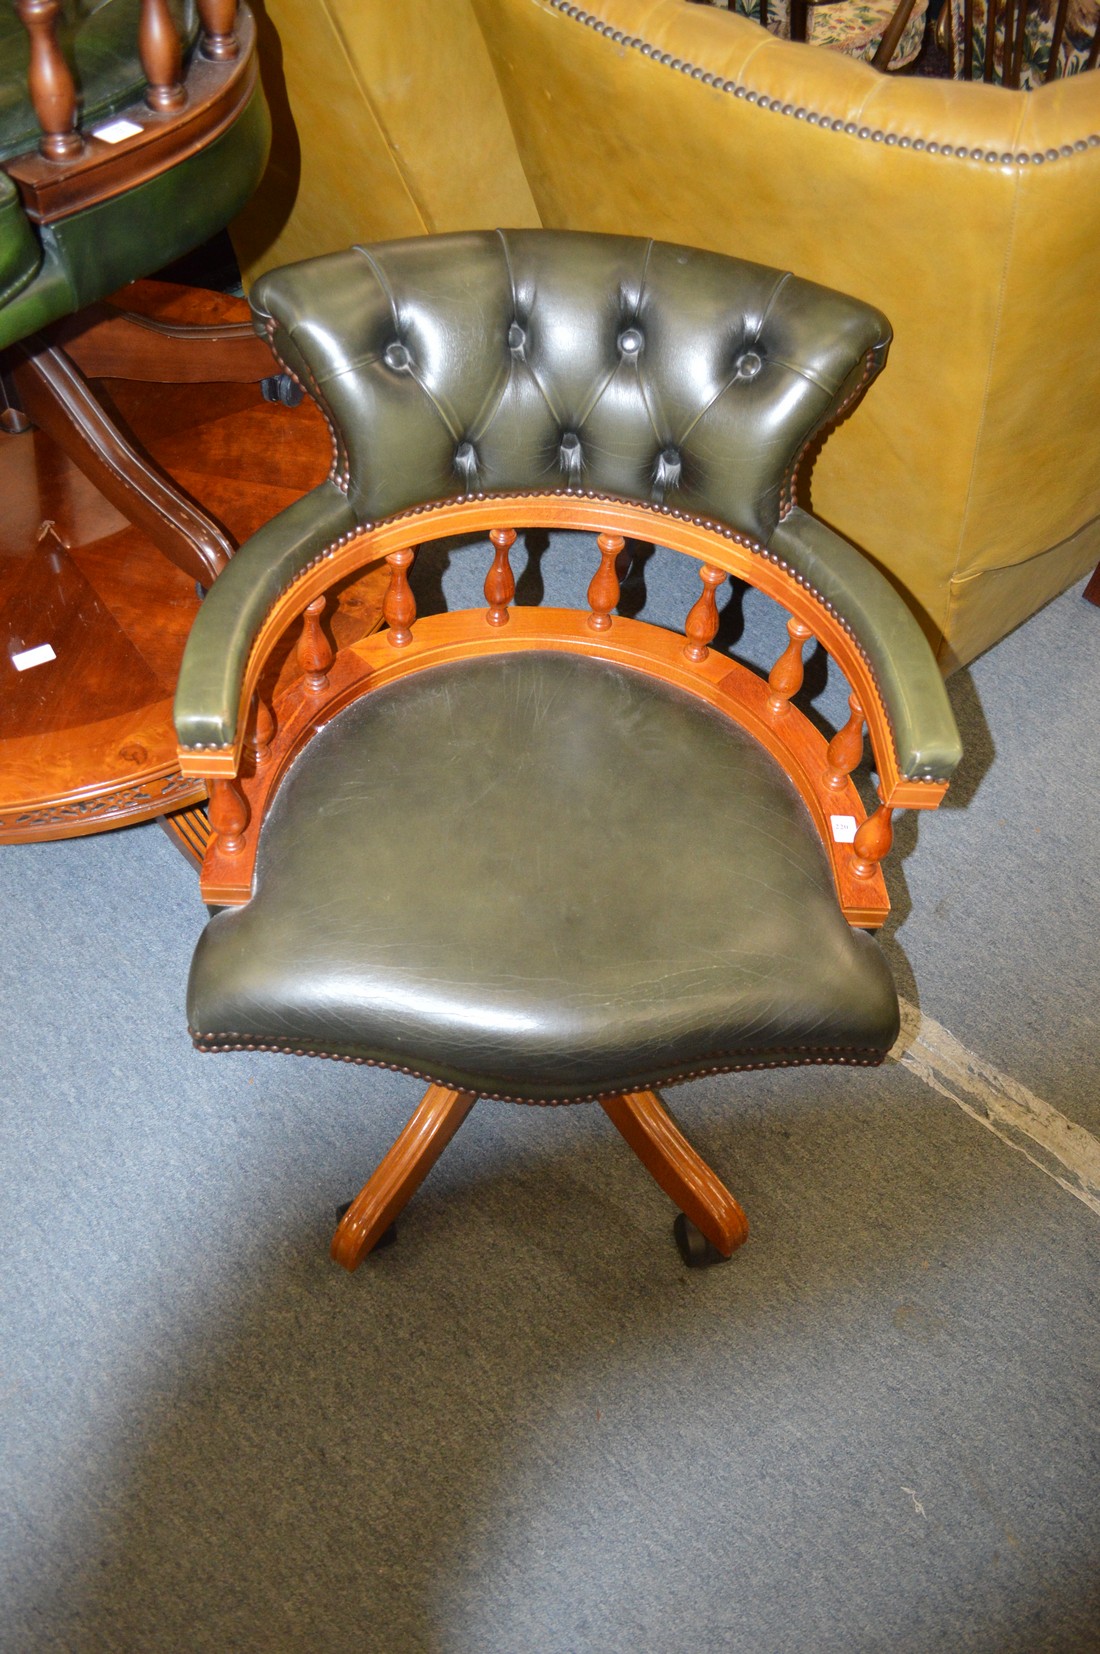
505 361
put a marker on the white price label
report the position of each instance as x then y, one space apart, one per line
116 132
33 657
844 828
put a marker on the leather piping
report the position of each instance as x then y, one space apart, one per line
340 469
827 123
849 1056
872 362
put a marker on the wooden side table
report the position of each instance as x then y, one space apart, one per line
94 616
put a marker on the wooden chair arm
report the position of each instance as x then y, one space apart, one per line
892 34
926 740
212 674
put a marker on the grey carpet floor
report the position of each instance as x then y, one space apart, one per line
527 1426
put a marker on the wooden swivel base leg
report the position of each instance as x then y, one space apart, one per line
685 1178
400 1174
639 1116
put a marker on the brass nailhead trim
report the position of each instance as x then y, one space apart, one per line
875 135
820 1057
871 363
340 469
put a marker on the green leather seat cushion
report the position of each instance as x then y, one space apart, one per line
546 877
100 41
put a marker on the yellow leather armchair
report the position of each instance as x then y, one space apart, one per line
969 214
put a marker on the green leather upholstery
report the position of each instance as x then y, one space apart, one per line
538 360
412 908
20 256
926 737
233 611
531 359
538 873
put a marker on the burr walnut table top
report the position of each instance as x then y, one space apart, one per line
86 737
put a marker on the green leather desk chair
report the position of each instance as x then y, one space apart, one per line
545 855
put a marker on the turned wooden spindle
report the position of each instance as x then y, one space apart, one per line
872 841
845 749
785 677
315 652
219 19
399 606
49 80
603 592
500 584
161 56
263 729
702 621
229 816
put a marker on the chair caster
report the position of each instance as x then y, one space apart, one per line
280 387
694 1247
386 1238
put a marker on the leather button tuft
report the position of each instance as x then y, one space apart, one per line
669 468
396 356
517 336
569 453
630 341
748 364
466 459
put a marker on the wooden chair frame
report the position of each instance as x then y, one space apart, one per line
185 108
1010 18
244 777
